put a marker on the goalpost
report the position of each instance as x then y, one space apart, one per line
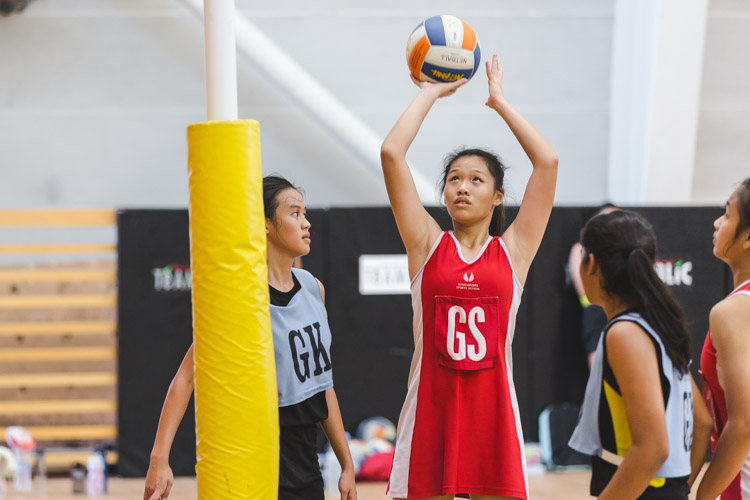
235 381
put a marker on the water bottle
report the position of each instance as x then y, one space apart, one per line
95 475
103 452
22 474
78 474
41 469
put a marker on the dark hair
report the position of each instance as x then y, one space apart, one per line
272 186
497 170
591 212
743 207
624 246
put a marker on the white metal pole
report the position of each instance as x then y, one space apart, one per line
221 60
324 107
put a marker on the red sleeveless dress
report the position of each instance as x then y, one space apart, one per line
459 431
713 394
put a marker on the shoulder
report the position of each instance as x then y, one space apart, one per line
309 281
304 277
632 355
728 318
622 329
732 309
627 338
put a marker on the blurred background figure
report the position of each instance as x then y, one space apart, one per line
593 318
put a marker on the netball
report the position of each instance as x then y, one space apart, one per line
443 49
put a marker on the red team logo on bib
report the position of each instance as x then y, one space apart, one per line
466 332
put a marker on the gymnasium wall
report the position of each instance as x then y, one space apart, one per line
372 333
109 86
722 148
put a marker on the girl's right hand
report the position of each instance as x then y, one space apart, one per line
159 480
439 89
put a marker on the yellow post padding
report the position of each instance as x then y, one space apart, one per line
237 421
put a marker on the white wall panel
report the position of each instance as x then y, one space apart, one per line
95 95
723 145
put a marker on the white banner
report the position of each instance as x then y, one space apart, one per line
384 275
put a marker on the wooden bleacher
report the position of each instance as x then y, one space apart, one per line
58 373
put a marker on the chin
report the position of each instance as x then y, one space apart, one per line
462 217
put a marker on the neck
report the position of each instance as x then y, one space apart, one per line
613 306
741 274
473 236
279 270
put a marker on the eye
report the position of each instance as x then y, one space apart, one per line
477 179
295 214
454 178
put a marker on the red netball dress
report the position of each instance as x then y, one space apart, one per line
459 431
716 402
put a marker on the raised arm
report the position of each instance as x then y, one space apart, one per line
159 478
417 228
524 236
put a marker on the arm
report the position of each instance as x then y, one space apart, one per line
524 236
702 427
635 365
730 332
417 228
159 477
333 427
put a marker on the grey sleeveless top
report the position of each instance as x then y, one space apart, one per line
302 343
677 389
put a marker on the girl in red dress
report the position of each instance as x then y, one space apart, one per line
725 360
459 431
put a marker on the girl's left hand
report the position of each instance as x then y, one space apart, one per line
439 89
494 81
347 486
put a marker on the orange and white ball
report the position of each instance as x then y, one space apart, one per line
443 49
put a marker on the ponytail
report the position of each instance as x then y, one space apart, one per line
498 220
659 308
624 245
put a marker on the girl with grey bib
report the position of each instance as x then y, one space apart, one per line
302 348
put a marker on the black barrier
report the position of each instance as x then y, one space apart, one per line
372 334
154 332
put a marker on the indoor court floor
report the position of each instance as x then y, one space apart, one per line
550 486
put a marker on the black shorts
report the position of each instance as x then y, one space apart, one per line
313 491
674 488
299 472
